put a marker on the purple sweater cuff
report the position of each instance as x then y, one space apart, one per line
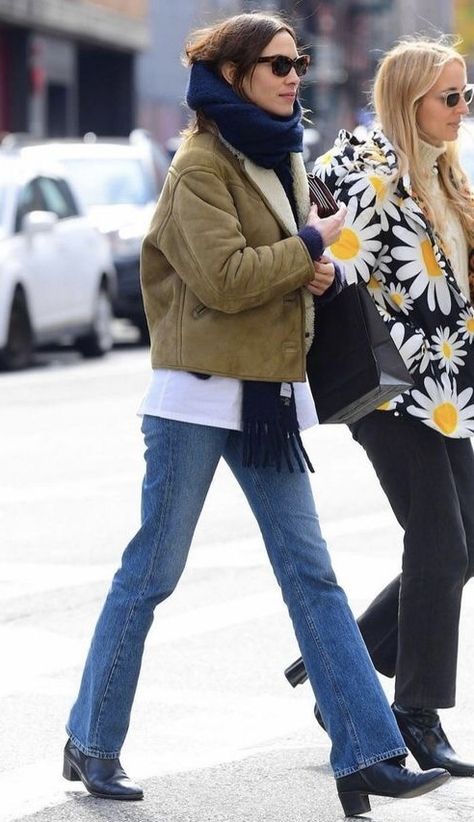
312 240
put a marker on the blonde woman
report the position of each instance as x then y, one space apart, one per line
409 234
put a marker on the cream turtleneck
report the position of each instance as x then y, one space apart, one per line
452 231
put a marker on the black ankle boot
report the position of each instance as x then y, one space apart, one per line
387 778
104 778
425 738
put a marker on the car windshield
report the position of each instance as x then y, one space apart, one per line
110 181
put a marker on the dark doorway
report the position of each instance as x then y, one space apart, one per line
14 88
105 92
57 97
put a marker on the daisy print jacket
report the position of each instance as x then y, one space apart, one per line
388 243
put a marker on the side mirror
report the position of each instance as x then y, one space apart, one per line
37 222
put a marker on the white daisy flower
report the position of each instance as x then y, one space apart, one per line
426 359
400 298
375 288
384 261
377 192
410 348
392 404
442 409
356 247
466 324
331 164
386 317
413 213
425 266
448 349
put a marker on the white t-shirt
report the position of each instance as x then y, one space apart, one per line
179 395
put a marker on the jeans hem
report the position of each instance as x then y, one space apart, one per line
91 751
429 702
371 760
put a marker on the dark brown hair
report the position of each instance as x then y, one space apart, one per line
239 40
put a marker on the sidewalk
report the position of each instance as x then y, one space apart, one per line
293 784
217 735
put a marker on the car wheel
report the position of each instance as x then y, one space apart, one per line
18 350
100 339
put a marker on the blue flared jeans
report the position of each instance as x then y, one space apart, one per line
181 460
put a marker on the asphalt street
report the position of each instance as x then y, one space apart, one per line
217 734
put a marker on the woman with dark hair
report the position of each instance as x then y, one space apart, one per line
228 282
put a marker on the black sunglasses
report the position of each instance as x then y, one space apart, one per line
282 65
452 98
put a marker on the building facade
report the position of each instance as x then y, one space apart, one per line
67 66
161 76
346 39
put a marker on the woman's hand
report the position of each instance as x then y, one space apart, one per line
324 274
329 227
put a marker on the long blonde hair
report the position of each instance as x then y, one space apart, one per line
404 75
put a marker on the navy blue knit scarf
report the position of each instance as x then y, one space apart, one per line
267 139
270 426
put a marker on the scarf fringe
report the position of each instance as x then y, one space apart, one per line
267 444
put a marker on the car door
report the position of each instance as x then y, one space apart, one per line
77 241
40 258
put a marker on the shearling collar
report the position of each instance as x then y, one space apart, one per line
272 191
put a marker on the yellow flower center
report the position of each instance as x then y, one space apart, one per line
470 325
373 284
326 158
447 350
379 186
347 246
396 298
446 417
429 260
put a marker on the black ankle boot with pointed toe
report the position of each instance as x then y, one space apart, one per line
386 778
104 778
425 739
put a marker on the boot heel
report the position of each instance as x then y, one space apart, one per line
354 802
69 772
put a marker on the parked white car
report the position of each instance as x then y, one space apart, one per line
118 182
57 278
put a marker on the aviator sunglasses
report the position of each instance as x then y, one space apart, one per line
282 65
452 98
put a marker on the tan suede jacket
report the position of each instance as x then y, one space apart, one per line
221 274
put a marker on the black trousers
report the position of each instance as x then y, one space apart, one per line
411 628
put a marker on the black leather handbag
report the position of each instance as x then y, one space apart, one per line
353 365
